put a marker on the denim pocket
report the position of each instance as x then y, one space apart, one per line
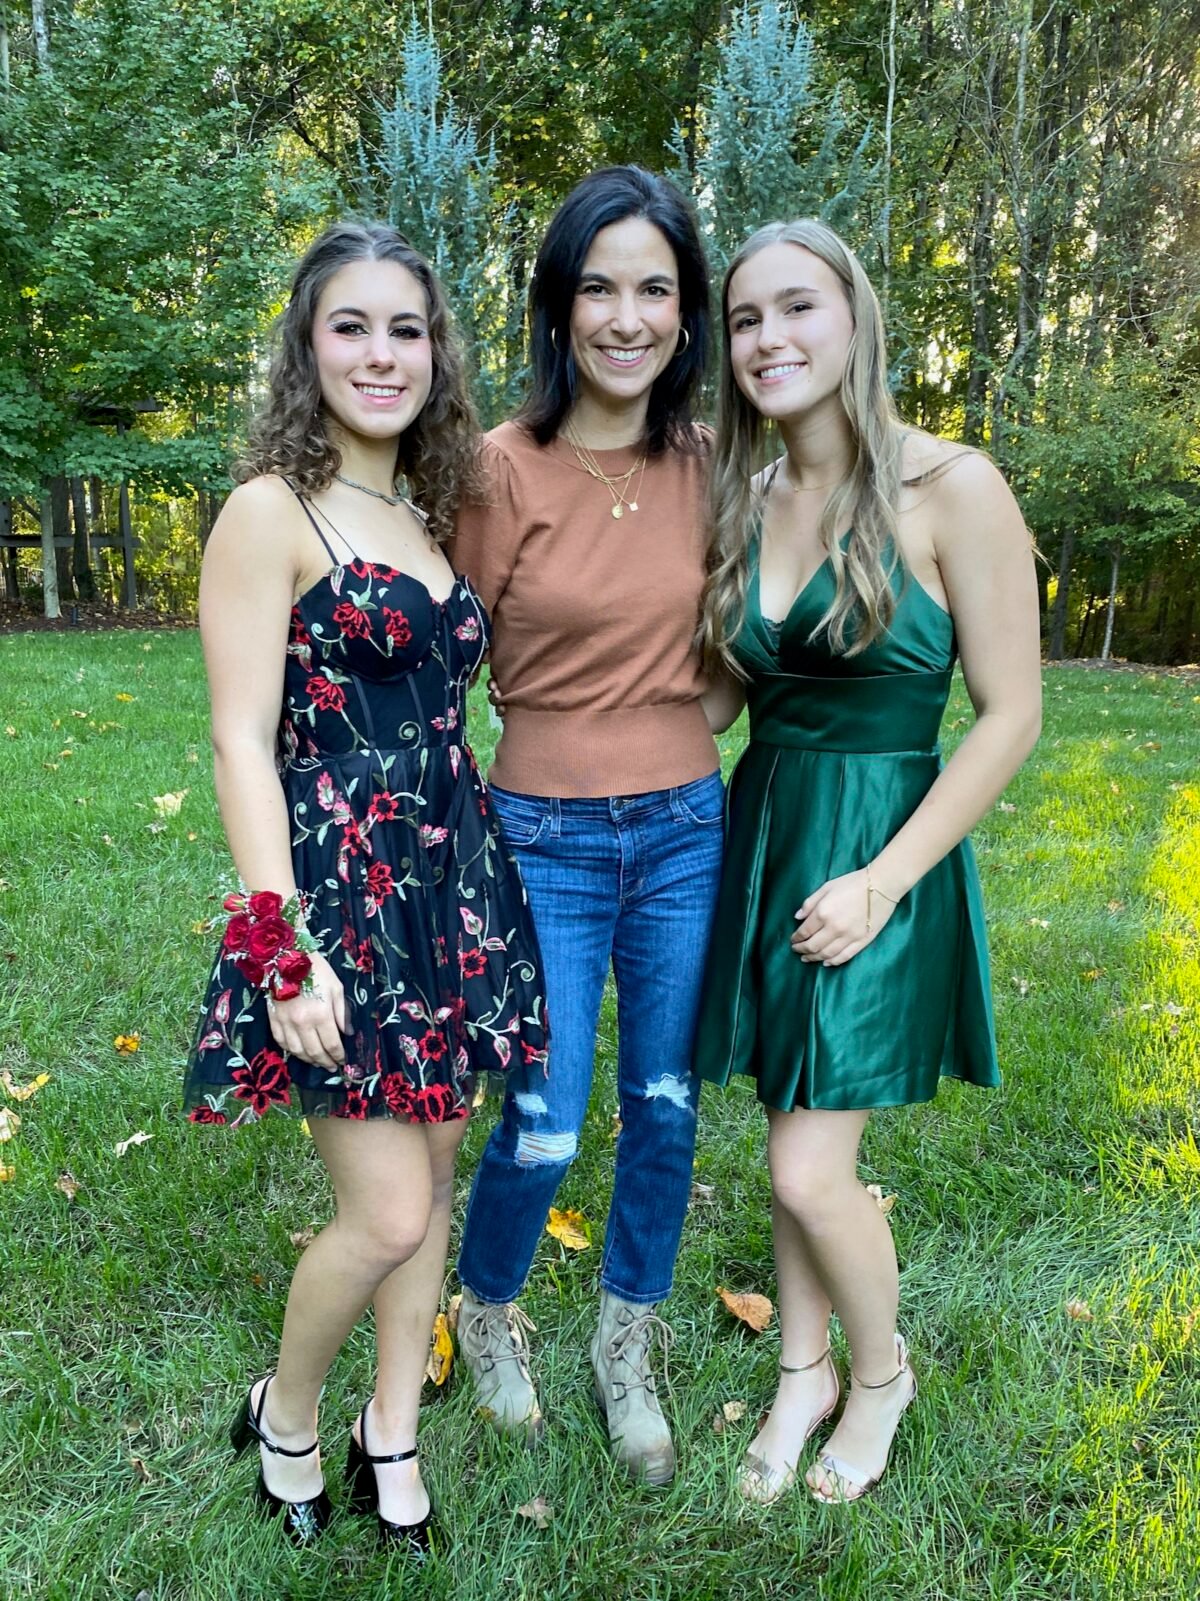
702 801
524 818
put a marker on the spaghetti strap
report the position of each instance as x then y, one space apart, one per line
308 509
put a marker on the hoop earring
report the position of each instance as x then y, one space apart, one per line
554 340
687 339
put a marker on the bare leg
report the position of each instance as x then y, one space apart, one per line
850 1255
803 1397
405 1306
381 1178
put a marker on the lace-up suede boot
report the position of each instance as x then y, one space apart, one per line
625 1388
491 1340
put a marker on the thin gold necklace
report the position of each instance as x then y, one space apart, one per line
621 501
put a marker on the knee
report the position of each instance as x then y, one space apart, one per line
674 1094
538 1148
391 1238
810 1195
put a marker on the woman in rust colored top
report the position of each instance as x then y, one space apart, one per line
589 554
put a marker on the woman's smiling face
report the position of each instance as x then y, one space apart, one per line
625 315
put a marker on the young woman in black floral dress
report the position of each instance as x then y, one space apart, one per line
339 646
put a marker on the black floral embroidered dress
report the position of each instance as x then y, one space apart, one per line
415 899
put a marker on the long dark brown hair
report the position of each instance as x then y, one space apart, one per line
438 453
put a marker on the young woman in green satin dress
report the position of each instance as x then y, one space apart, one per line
850 967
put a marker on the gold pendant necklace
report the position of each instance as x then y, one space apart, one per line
621 501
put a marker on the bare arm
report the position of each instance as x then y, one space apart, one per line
984 556
723 701
251 568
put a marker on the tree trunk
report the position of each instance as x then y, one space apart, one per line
49 570
60 506
96 503
41 37
12 591
81 555
1089 612
1056 647
1106 651
5 68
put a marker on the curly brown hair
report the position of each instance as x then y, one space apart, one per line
437 454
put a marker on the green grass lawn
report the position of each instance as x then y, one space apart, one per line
1049 1456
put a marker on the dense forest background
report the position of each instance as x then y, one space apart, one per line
1021 179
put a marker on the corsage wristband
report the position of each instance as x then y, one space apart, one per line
266 940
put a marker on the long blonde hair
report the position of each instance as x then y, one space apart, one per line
865 501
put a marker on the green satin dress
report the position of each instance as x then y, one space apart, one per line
842 750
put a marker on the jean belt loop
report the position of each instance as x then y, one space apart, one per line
555 818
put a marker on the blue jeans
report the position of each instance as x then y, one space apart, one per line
631 879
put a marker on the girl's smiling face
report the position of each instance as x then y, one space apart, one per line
370 338
790 329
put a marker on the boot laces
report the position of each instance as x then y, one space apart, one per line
501 1344
632 1344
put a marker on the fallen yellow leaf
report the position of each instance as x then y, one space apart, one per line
9 1124
7 1173
22 1092
168 805
569 1228
539 1510
123 697
884 1202
127 1044
441 1352
68 1185
1080 1311
452 1312
304 1128
756 1311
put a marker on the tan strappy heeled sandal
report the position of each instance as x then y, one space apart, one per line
758 1480
857 1482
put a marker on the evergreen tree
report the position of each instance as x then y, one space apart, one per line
771 143
431 177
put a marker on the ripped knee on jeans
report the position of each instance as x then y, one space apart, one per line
533 1148
670 1087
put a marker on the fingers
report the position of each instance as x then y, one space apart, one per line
309 1029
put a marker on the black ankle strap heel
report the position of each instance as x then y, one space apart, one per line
364 1494
303 1521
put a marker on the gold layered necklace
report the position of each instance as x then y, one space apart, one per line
619 487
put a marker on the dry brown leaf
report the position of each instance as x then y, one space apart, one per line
302 1237
884 1202
617 1126
571 1229
704 1194
9 1124
733 1411
140 1469
539 1510
68 1184
756 1311
1021 985
139 1138
22 1092
452 1312
441 1352
1080 1311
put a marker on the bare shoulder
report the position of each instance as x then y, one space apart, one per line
262 513
948 471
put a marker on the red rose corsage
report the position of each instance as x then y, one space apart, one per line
266 940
